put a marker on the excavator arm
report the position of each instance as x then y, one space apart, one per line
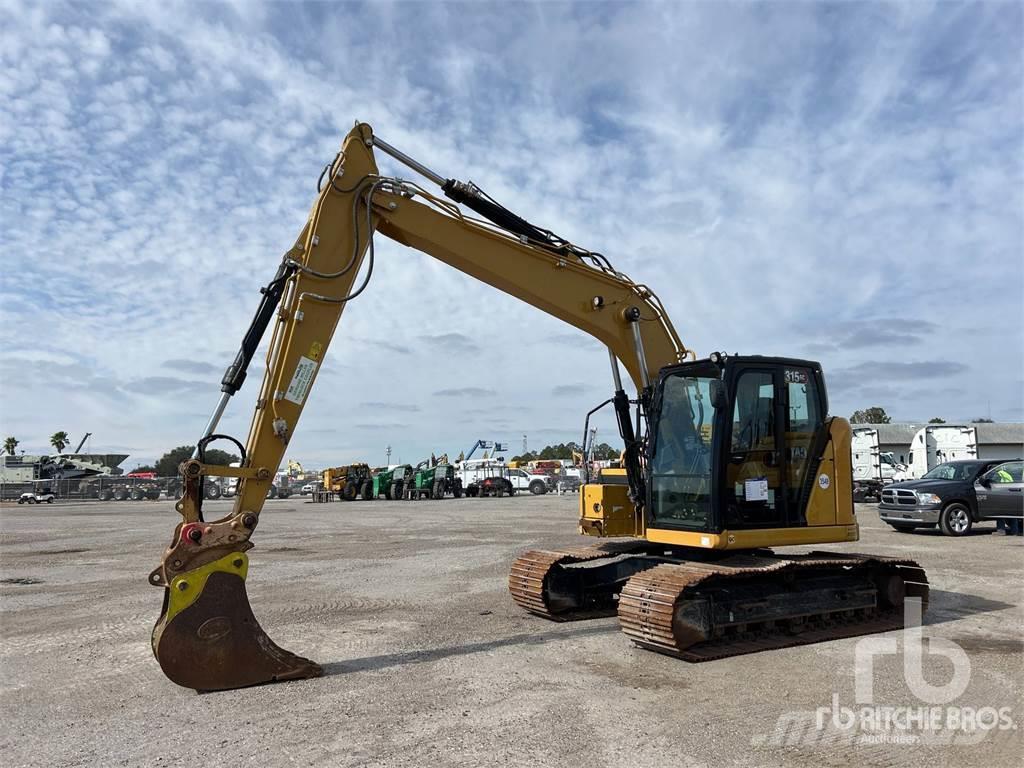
207 637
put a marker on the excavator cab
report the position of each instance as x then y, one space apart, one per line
735 443
739 454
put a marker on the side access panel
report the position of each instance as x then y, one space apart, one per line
606 510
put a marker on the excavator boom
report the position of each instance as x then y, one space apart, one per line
203 570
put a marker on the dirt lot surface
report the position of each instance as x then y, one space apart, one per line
429 663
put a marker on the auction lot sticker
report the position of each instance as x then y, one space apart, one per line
301 381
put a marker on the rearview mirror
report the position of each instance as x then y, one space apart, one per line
985 481
718 396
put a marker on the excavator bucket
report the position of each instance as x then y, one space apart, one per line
207 637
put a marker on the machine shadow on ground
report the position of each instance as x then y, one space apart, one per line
373 663
946 606
943 607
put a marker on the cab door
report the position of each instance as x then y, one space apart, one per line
776 433
1003 496
755 492
805 436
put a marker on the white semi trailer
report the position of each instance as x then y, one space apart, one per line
873 468
937 444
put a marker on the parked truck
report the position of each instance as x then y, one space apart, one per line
525 481
281 488
472 472
275 491
936 444
873 469
489 477
212 488
121 488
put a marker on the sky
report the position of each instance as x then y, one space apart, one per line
841 182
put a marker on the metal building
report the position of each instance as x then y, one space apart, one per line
995 441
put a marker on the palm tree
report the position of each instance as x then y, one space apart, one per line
59 440
10 444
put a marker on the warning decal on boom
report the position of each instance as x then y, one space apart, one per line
301 381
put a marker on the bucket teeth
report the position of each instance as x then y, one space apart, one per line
215 643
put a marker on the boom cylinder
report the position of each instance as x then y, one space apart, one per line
615 370
633 317
403 158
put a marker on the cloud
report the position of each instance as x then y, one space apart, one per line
191 366
377 405
391 346
451 342
55 377
164 385
576 339
877 332
571 390
506 408
905 389
557 431
820 196
466 392
878 337
897 371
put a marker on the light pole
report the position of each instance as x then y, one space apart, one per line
388 452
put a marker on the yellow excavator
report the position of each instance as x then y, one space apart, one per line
724 456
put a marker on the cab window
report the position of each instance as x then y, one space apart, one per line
946 472
681 461
1005 474
803 421
753 478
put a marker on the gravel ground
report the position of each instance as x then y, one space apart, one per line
428 661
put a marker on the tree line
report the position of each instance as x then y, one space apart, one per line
59 441
602 452
877 415
167 465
